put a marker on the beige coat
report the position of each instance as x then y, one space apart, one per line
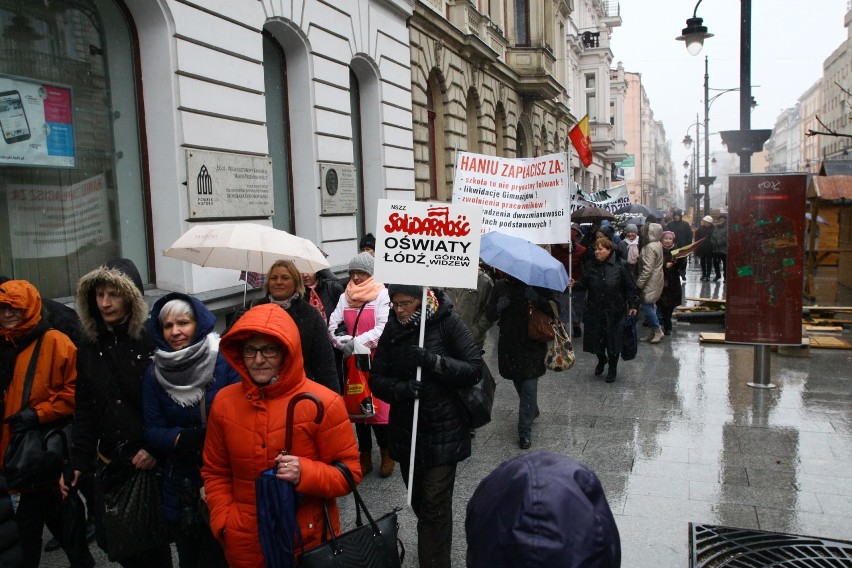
650 279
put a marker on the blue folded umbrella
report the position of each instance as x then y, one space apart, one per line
524 260
276 519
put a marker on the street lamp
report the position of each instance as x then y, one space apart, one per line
694 33
696 169
745 142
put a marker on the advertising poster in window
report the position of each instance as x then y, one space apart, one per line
765 258
522 197
37 124
53 221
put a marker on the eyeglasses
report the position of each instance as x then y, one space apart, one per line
401 305
268 350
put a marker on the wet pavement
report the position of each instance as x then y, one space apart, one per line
678 438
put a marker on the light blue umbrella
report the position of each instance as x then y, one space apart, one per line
524 260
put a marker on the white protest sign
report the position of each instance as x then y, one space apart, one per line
611 199
522 197
427 244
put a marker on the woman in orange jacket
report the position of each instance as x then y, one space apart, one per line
246 433
51 400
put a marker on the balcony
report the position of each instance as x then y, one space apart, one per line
535 69
601 134
480 37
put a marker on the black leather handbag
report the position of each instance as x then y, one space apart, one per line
478 400
371 545
31 461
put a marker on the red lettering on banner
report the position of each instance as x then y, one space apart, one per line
436 224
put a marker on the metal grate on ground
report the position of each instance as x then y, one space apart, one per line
714 546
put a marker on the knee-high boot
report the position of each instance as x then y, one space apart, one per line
613 368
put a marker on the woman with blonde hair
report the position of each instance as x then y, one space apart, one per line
361 315
284 286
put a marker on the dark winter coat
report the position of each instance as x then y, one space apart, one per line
672 295
316 346
165 418
518 356
541 509
611 294
10 540
720 239
706 247
443 436
682 231
328 289
110 366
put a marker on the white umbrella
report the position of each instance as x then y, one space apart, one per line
245 246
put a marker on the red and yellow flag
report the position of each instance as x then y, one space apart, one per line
579 136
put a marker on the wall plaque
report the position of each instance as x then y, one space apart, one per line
338 189
220 184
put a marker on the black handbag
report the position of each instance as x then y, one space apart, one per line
31 460
373 545
133 518
478 399
629 339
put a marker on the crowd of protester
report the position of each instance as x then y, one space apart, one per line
158 390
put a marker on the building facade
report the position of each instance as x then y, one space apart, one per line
113 104
837 104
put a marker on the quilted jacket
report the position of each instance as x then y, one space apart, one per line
246 431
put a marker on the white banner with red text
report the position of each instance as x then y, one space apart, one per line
522 197
427 244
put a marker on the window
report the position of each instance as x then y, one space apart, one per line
278 132
499 122
472 123
72 183
437 159
522 23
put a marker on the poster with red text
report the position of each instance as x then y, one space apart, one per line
765 260
522 197
427 244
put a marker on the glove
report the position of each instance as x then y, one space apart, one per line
190 444
407 390
27 419
347 348
423 358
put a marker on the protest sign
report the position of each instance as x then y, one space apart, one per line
522 197
610 199
427 244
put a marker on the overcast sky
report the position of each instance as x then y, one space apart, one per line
790 41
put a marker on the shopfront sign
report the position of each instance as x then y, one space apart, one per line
223 185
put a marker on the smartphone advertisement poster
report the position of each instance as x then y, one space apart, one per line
427 244
522 197
37 124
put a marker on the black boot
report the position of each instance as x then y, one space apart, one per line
599 368
577 331
613 369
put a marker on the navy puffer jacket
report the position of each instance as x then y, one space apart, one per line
165 418
541 509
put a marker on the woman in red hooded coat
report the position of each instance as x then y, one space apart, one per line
246 433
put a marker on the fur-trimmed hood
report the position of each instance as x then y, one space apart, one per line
122 275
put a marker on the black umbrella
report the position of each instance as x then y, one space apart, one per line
640 209
590 214
73 539
276 500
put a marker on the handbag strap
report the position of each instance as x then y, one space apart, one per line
30 376
202 408
554 309
355 327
